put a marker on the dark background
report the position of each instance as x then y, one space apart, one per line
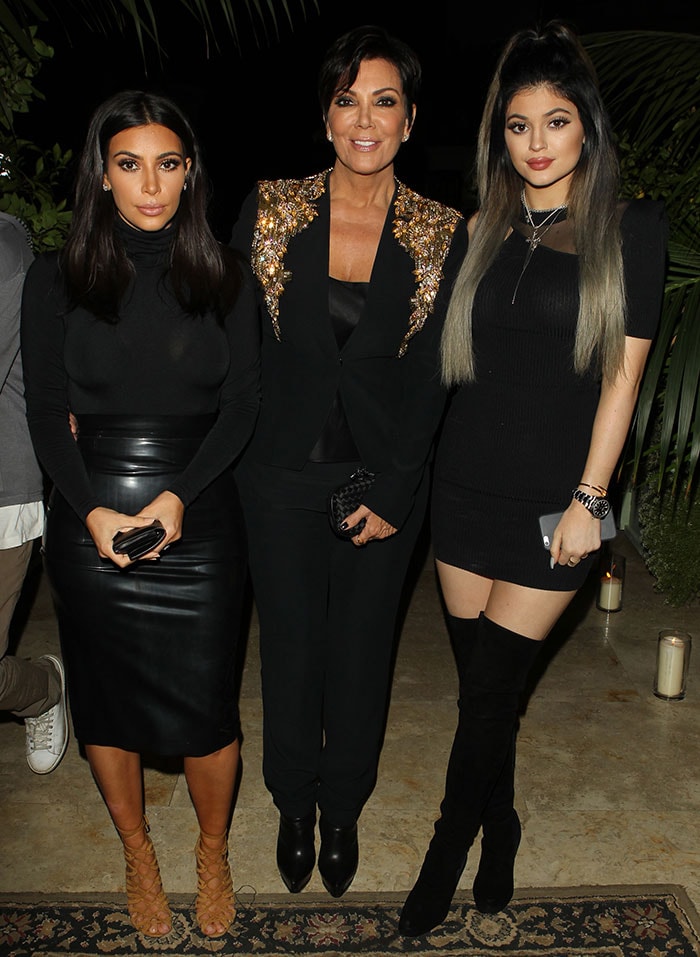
254 105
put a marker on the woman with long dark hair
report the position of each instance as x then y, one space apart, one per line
144 329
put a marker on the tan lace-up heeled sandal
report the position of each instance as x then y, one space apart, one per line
148 906
216 902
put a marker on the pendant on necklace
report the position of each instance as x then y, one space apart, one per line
528 257
535 239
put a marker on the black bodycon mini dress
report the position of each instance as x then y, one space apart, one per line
514 442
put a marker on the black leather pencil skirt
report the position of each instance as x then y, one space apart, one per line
150 651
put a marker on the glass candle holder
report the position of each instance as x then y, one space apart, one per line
612 579
672 656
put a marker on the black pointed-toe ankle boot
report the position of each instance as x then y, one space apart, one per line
493 885
296 851
488 709
338 857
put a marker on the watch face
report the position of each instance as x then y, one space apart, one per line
600 507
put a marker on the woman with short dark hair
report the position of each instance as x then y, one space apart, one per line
354 269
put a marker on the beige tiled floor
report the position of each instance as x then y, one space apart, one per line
608 781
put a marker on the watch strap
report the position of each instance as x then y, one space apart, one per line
590 501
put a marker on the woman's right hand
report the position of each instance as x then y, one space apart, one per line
104 523
375 527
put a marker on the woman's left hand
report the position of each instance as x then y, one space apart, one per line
170 510
375 527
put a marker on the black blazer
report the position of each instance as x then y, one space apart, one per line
388 378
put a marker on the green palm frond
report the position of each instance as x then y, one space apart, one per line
651 84
18 20
104 16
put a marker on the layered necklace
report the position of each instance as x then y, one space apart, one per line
538 231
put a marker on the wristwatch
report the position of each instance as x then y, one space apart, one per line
597 505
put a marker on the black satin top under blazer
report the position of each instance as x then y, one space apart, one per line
387 373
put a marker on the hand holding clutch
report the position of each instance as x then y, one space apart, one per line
345 499
137 542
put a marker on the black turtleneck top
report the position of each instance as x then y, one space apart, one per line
155 360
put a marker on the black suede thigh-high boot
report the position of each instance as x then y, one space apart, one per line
500 825
500 838
489 704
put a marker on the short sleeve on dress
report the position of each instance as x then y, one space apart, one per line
644 229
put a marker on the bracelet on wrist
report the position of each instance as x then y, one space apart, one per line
596 488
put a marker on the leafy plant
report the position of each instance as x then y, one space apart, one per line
18 67
104 16
670 529
32 180
651 84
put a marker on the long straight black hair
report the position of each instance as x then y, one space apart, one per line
96 270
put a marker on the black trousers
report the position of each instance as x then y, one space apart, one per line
327 611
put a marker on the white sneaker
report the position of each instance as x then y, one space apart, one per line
47 734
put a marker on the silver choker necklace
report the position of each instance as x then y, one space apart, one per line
546 224
538 232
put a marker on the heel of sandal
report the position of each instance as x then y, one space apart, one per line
216 903
147 904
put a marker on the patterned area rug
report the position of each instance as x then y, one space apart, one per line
649 921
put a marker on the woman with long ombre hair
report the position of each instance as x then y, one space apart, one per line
544 345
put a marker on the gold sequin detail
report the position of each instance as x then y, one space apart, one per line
423 227
285 207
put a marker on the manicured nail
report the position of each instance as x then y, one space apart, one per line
344 525
551 562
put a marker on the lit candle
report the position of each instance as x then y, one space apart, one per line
610 594
670 666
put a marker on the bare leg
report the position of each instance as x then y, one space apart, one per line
119 777
211 781
531 612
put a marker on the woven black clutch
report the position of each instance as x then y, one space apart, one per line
346 498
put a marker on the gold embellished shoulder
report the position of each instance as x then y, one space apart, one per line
424 227
285 208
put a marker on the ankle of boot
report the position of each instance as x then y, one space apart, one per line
426 906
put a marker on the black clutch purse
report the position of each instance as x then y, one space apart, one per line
137 542
345 499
